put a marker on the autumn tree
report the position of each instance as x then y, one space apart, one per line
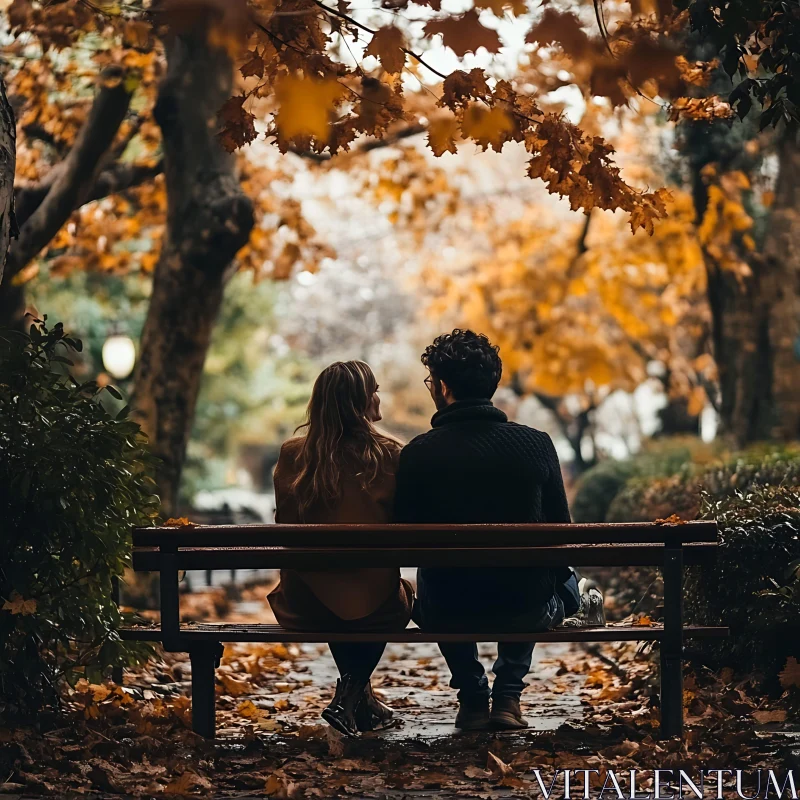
138 159
317 80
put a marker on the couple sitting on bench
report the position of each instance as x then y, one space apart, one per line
473 466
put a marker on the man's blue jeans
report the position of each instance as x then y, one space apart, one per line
513 658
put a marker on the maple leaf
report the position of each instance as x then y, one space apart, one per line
560 28
306 105
487 126
464 34
460 86
441 135
790 674
234 686
16 604
387 46
255 66
179 522
238 124
377 108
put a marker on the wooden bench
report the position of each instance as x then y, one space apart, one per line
170 550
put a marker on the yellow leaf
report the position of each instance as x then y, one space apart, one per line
16 604
487 126
441 135
235 687
306 105
99 692
249 710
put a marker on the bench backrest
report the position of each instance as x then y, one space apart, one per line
320 546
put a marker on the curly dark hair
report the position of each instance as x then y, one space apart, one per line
466 361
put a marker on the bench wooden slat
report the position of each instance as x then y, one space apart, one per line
232 632
398 536
597 555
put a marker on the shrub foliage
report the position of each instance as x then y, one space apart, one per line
73 480
754 586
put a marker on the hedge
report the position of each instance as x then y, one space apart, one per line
73 480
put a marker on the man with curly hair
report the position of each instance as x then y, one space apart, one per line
475 466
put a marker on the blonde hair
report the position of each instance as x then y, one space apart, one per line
339 438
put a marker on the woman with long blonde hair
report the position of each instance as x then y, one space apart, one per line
342 470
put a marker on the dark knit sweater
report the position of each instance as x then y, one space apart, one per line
476 466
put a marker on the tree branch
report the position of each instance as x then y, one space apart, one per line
336 13
117 177
373 144
71 185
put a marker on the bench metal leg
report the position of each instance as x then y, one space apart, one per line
672 643
204 660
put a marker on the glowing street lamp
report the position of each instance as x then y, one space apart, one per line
119 356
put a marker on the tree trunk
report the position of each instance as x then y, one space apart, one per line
8 165
208 219
782 285
756 319
740 333
739 314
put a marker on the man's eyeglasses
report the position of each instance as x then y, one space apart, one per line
428 381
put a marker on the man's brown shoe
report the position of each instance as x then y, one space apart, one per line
506 714
473 715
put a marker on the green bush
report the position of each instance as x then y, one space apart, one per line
647 499
73 480
597 488
660 458
754 585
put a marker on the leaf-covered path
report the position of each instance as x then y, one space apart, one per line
588 709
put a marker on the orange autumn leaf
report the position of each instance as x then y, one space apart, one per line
17 604
179 522
306 106
441 135
489 127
